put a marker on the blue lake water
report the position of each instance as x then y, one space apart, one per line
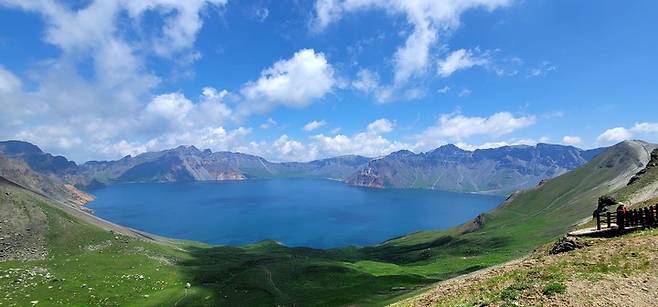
295 212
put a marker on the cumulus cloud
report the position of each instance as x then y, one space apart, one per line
614 135
108 41
571 140
618 134
428 18
380 126
312 125
456 127
174 111
370 142
458 60
293 82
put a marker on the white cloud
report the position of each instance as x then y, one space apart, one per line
261 13
270 122
427 17
380 126
179 29
618 134
174 111
106 104
496 144
366 81
614 135
314 125
8 82
544 68
456 127
172 107
571 140
458 60
464 92
292 82
645 128
326 11
371 142
216 138
444 89
282 149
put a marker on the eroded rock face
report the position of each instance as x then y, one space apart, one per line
566 244
367 177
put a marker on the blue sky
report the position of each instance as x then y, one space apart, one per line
301 80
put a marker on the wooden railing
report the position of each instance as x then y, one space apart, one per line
631 219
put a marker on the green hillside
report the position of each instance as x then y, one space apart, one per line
86 264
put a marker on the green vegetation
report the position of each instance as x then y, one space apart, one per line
87 265
554 288
585 276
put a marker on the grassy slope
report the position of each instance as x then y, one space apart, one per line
618 271
109 266
527 220
269 274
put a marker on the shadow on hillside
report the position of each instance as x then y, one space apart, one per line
271 274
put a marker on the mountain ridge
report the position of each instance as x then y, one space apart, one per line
510 168
445 168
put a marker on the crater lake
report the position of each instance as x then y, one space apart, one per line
296 212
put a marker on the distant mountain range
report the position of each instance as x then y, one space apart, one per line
498 170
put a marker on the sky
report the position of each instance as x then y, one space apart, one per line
297 80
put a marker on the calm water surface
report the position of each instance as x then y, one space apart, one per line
296 212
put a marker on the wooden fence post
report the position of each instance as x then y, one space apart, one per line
638 217
607 218
620 219
648 216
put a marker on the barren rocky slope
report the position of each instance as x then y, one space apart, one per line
47 184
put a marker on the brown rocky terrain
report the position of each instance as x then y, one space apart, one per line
22 229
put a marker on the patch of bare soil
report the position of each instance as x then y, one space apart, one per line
620 271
